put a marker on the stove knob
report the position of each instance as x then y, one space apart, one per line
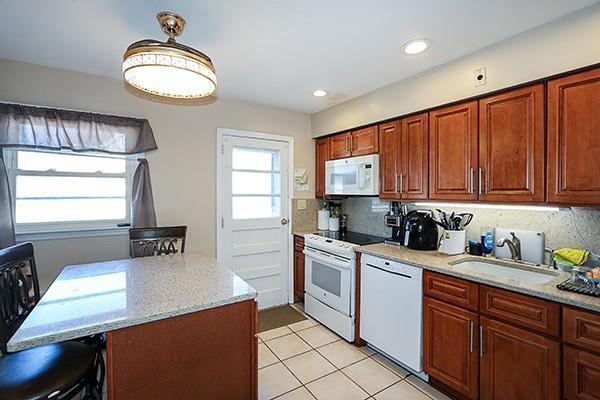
341 244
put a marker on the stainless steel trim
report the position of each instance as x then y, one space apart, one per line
480 179
471 337
351 143
396 184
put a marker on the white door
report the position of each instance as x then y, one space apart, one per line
253 203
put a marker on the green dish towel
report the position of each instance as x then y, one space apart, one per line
569 256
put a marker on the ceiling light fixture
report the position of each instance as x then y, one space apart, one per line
169 69
320 93
415 46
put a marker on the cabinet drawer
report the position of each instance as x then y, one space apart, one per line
526 311
581 328
582 375
456 291
298 243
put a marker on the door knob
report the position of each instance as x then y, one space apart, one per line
284 221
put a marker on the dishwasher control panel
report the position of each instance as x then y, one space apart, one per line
405 270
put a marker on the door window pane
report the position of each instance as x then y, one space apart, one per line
245 207
255 183
255 159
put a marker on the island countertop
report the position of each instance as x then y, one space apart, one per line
98 297
438 262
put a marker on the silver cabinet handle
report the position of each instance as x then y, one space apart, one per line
480 340
351 143
471 172
401 183
480 179
471 337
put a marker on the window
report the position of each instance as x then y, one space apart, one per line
63 190
255 183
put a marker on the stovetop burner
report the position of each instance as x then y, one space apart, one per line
360 239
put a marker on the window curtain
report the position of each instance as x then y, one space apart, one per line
142 202
27 126
54 129
7 227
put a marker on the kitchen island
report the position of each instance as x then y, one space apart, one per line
178 326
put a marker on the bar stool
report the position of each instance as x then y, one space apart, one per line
57 371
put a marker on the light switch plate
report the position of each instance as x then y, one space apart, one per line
302 204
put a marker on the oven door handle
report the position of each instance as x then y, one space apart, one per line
330 260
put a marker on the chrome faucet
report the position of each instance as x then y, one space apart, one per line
514 246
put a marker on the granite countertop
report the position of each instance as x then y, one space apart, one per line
92 298
303 231
438 262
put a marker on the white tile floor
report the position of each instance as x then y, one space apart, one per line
306 361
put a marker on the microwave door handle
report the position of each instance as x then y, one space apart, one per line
361 176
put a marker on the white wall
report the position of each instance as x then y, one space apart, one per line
183 170
559 46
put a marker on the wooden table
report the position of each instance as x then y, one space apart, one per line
178 326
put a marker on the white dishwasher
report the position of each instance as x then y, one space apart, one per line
391 309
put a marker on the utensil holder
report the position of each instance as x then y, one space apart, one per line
453 242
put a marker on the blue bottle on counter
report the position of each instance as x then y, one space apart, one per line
487 239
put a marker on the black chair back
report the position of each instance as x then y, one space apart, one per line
157 241
19 289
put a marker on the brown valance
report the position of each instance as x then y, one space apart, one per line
56 129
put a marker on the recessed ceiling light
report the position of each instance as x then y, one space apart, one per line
415 46
320 93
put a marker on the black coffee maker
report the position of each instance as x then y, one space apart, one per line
420 231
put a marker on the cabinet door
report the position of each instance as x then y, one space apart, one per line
582 375
574 139
365 141
415 154
389 160
450 344
299 274
517 364
340 146
512 146
453 152
322 155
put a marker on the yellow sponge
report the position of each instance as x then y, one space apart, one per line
575 256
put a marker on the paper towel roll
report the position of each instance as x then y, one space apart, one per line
323 220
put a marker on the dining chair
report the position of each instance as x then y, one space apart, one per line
157 241
54 371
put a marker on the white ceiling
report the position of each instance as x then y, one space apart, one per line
274 52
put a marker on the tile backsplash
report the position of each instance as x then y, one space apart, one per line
365 215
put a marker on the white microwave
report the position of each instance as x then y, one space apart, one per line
353 176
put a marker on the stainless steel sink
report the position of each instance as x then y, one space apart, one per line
522 273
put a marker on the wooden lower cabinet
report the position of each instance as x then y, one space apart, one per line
581 374
517 364
450 352
299 274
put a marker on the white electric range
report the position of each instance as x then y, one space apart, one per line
330 278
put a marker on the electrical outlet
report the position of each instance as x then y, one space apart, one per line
301 204
480 76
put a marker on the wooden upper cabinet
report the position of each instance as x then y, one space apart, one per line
512 146
415 155
356 143
453 152
517 364
389 160
322 155
450 346
340 146
574 139
365 141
